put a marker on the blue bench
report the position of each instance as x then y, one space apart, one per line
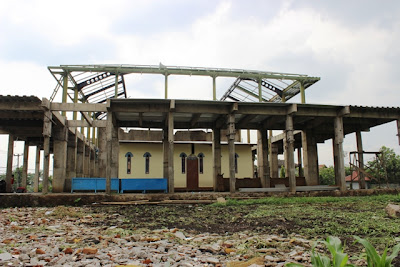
93 184
139 184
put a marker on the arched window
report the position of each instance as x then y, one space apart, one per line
236 162
147 156
183 161
128 156
201 162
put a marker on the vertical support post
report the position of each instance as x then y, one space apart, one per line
75 114
84 159
339 155
360 159
60 158
302 93
116 86
260 99
47 130
10 155
166 86
80 152
214 88
398 130
102 166
274 173
299 162
65 91
289 153
115 150
109 166
165 152
262 158
25 166
310 156
71 160
231 146
216 150
171 182
37 171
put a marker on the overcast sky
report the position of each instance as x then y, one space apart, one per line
352 45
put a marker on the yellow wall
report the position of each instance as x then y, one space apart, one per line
245 164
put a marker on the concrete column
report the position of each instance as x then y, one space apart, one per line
79 158
70 173
25 165
310 154
165 152
86 158
102 139
115 151
231 146
274 169
290 171
171 181
338 154
398 130
300 162
60 158
216 150
109 129
360 159
37 171
262 158
10 156
214 88
47 130
92 163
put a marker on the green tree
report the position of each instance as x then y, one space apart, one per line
327 175
388 161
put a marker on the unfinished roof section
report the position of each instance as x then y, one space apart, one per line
96 83
277 88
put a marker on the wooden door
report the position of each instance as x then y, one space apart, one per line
192 174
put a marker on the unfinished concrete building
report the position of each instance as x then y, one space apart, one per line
83 131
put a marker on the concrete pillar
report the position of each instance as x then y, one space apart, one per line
398 130
10 156
37 171
115 152
216 150
25 165
338 153
102 139
79 158
360 159
60 158
274 169
171 181
92 163
300 162
310 154
109 129
231 146
85 158
72 146
262 158
290 171
47 130
165 152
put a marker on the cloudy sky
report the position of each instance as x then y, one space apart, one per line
352 45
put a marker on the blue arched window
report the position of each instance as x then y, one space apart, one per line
183 161
147 156
128 157
201 162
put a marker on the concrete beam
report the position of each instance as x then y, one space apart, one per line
81 107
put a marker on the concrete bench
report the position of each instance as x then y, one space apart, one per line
145 184
93 184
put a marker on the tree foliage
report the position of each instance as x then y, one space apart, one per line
387 163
